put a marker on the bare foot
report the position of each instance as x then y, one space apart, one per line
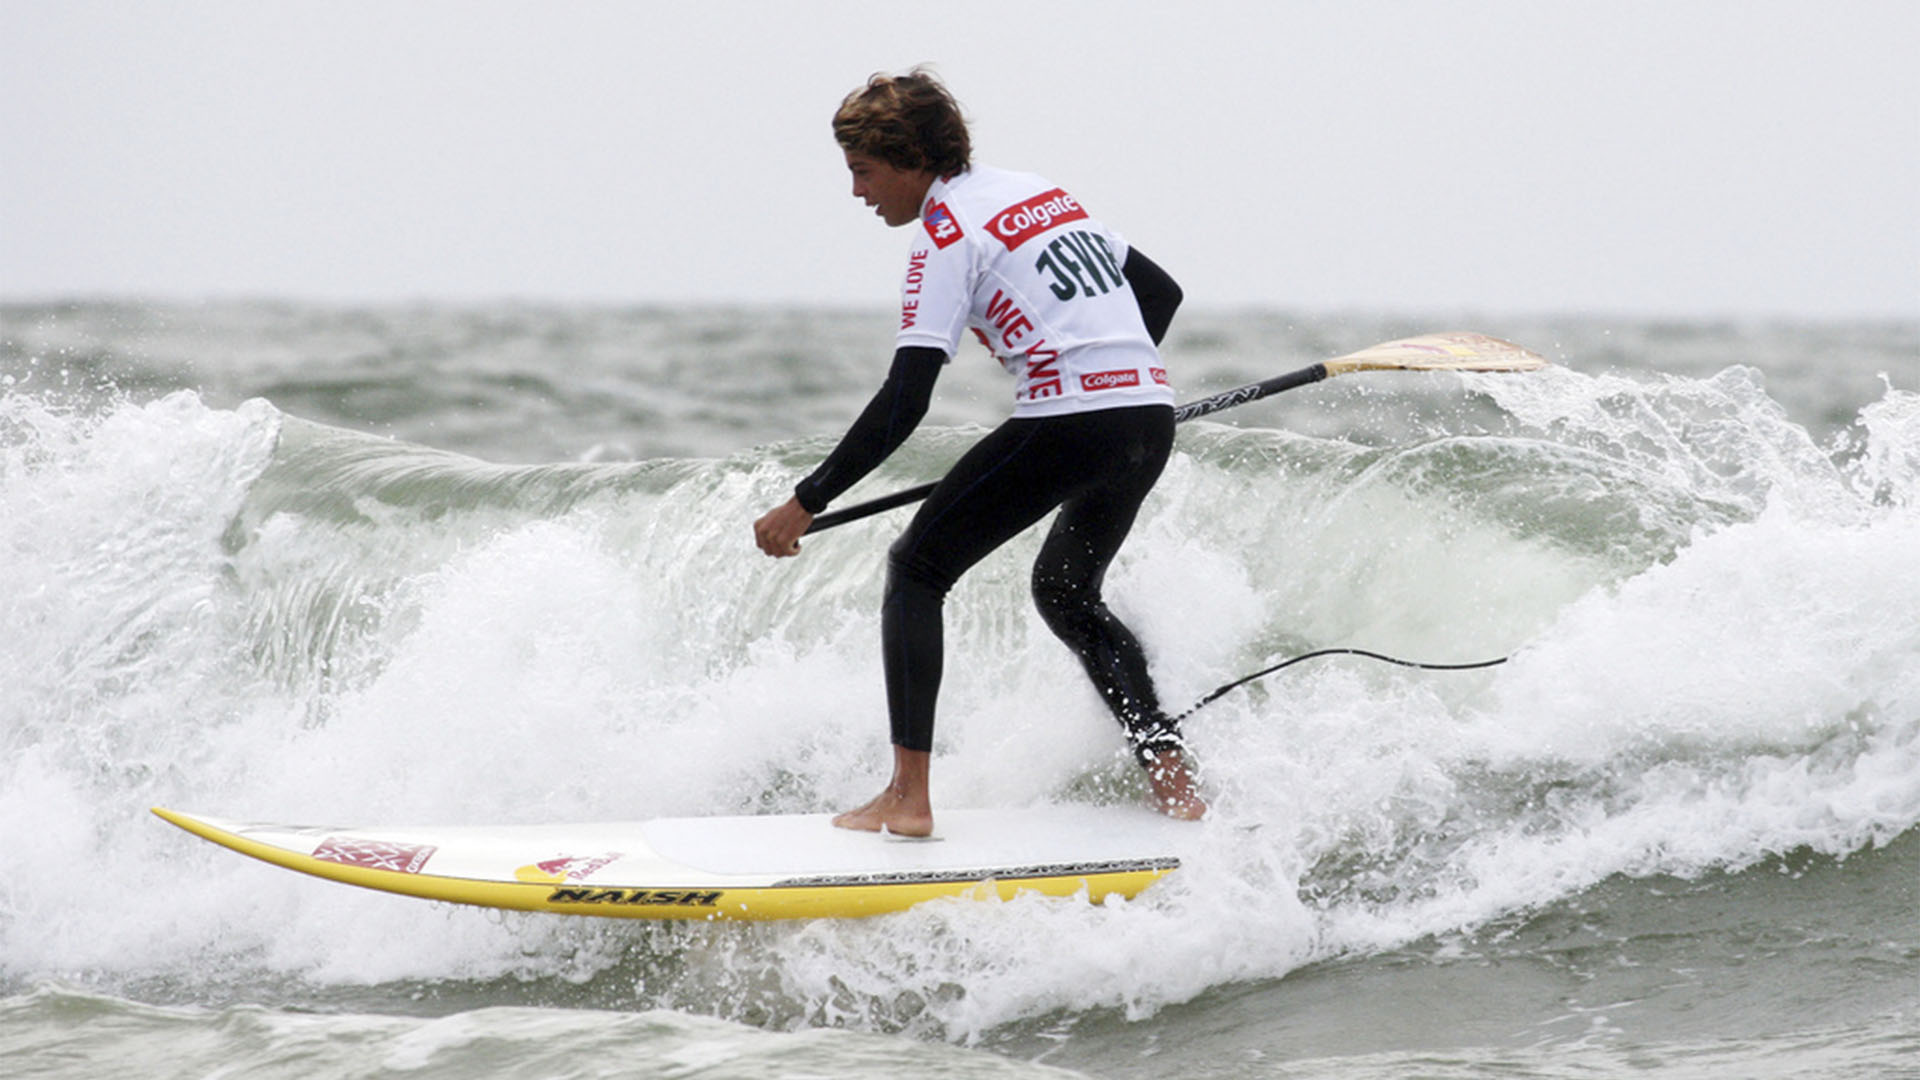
904 808
893 811
1174 792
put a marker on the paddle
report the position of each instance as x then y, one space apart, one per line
1428 352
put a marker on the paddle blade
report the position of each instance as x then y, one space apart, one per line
1459 351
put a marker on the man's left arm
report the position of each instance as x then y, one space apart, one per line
1154 290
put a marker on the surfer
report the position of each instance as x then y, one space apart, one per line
1075 315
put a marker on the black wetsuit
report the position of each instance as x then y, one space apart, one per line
1096 467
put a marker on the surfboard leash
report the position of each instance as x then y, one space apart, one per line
1263 672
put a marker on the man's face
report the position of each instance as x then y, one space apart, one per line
894 193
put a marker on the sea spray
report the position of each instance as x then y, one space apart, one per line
238 612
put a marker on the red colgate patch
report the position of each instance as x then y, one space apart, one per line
1023 221
374 854
1109 380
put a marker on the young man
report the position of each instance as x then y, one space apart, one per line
1076 316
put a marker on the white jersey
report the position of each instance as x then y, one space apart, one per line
1021 263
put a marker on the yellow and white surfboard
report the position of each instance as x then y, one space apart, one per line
757 867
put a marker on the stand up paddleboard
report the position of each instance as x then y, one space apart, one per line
763 867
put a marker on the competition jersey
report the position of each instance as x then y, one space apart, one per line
1021 263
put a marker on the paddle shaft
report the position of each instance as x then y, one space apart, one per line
1312 373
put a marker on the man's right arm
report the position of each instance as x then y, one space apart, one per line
885 423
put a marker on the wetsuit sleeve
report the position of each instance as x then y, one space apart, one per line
885 423
1157 294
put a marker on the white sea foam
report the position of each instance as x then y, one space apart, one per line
1734 676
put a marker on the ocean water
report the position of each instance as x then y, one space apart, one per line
463 565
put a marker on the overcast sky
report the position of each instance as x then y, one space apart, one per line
1719 157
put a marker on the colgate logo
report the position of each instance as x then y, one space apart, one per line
1109 380
1021 222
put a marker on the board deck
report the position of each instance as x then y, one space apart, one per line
755 867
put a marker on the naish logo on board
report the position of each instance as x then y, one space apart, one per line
941 225
1023 221
649 897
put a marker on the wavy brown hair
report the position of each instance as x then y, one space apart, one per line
908 121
